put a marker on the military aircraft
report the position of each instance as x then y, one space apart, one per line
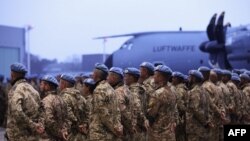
220 46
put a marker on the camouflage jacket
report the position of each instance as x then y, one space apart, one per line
53 113
181 98
105 114
76 108
127 104
162 107
139 103
23 112
215 102
197 110
246 93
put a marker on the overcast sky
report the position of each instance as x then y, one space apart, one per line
63 28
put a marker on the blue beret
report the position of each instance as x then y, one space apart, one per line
101 67
164 69
68 78
235 74
227 72
247 72
178 74
196 73
204 69
235 78
116 70
132 71
85 75
186 77
50 78
18 67
245 76
217 71
147 65
89 81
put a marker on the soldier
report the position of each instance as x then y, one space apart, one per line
146 78
162 107
181 95
105 116
53 111
23 105
245 87
79 82
125 101
76 107
197 109
216 111
234 102
131 78
88 89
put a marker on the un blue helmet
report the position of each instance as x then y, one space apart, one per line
218 71
235 78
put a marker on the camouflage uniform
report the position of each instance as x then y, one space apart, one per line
105 114
162 108
181 96
246 112
215 109
149 87
139 106
196 114
53 113
227 99
127 107
23 112
77 112
235 96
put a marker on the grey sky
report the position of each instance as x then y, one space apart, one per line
62 28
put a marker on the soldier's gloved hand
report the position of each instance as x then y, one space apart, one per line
146 124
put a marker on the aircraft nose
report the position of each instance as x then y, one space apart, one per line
109 61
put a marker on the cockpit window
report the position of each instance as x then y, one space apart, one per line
127 46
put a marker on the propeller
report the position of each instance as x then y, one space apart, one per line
216 45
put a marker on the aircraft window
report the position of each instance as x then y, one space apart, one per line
130 46
124 46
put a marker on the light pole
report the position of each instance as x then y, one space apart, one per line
104 50
27 31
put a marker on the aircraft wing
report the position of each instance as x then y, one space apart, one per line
141 33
